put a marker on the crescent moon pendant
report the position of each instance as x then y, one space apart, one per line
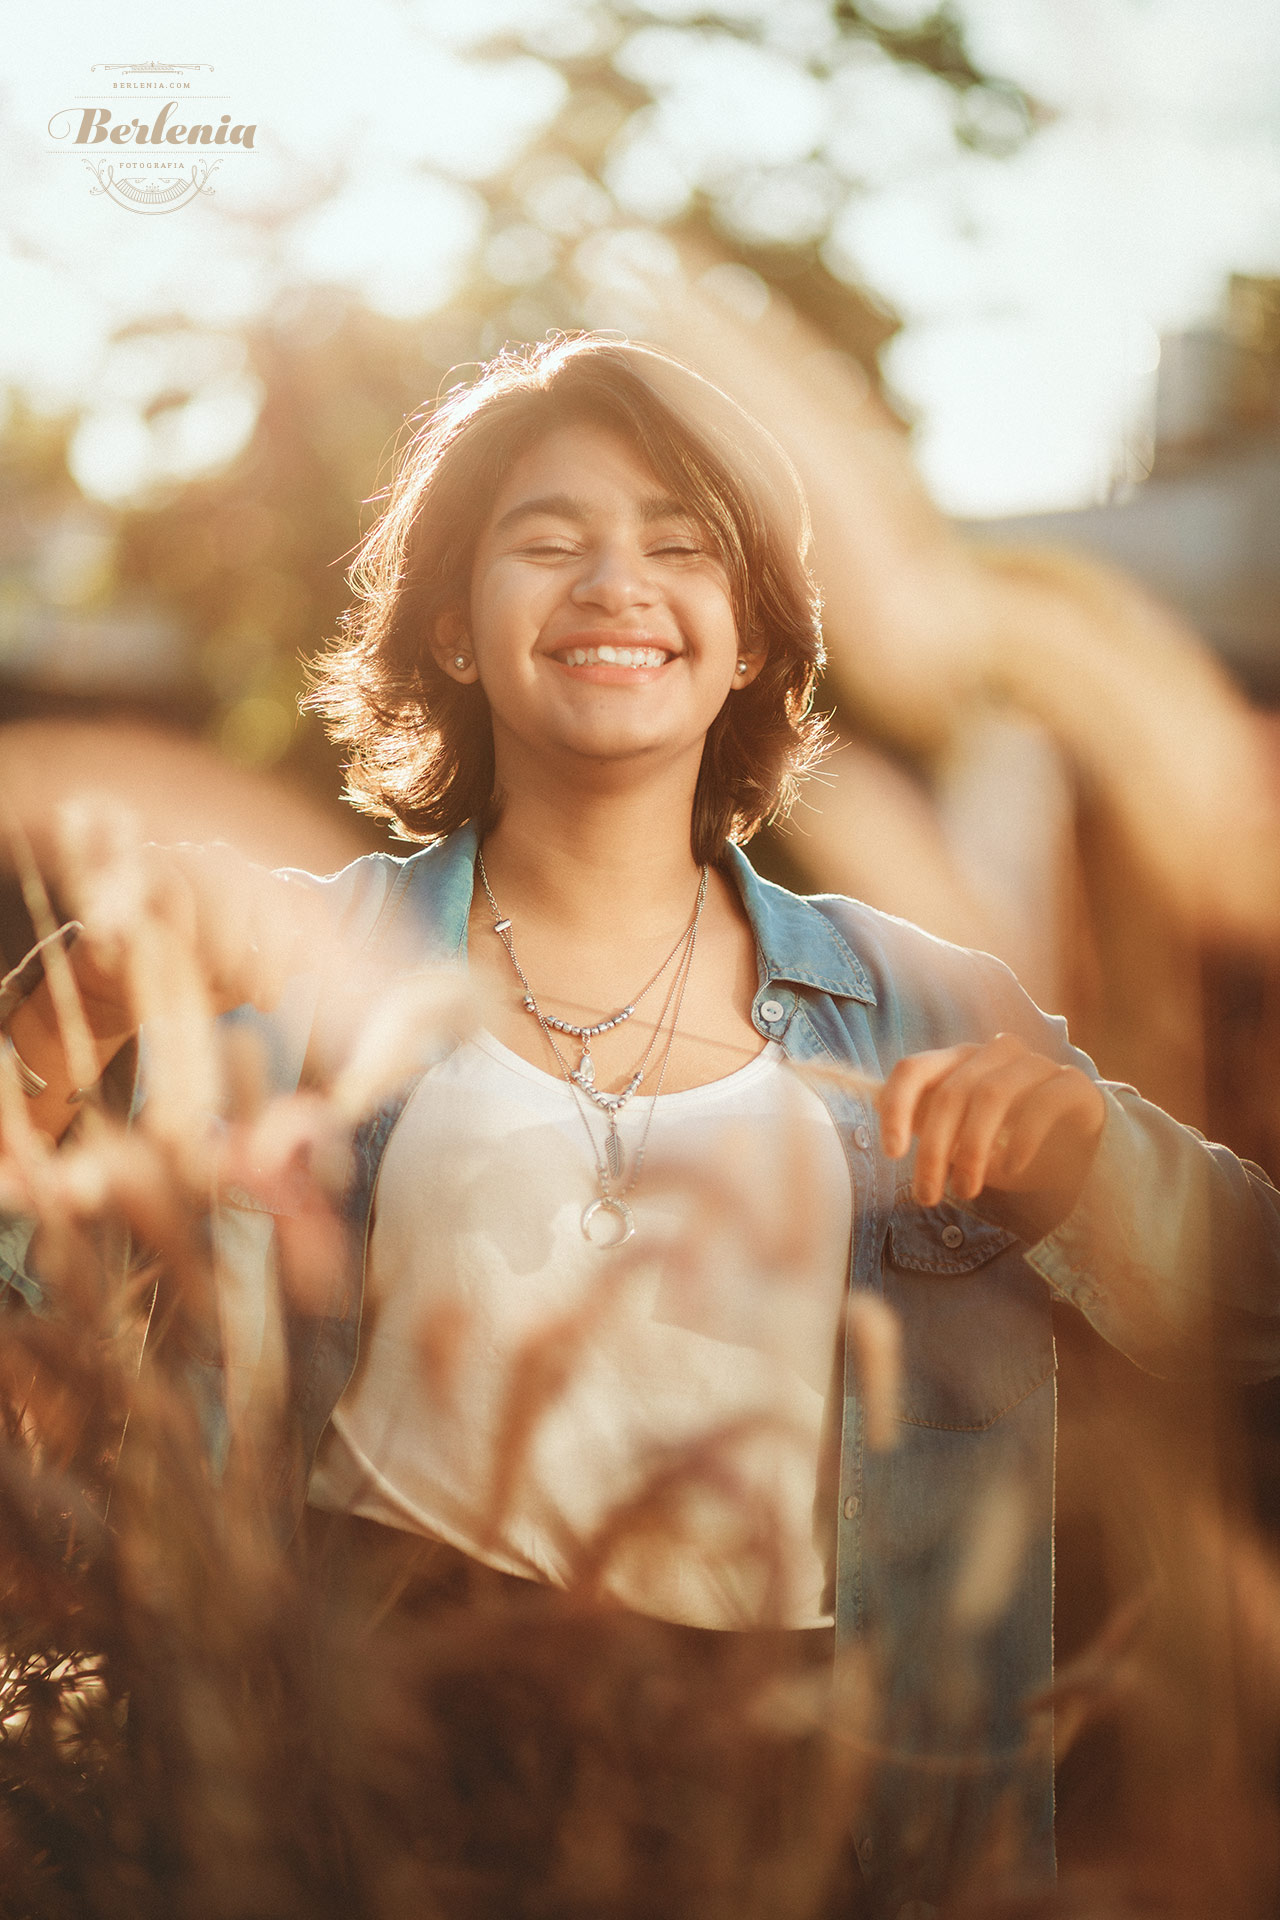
623 1214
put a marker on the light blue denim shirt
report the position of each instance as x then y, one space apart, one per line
1172 1252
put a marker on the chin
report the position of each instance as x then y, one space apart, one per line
614 733
621 746
595 740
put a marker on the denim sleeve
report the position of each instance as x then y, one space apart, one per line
1172 1249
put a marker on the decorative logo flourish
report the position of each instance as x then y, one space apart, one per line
162 195
151 66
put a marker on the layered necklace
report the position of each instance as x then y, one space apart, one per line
611 1178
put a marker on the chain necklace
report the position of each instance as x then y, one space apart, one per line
584 1074
609 1167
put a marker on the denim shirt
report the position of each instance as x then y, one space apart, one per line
1173 1246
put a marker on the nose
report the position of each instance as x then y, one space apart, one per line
613 578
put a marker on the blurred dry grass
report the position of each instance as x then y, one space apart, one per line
192 1723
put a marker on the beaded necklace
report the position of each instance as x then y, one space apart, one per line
581 1079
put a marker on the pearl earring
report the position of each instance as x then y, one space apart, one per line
742 666
461 661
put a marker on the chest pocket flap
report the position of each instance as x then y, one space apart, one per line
976 1331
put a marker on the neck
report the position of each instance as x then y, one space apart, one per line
620 859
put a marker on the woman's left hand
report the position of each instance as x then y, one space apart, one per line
992 1115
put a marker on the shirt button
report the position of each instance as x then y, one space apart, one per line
861 1138
771 1010
953 1236
850 1507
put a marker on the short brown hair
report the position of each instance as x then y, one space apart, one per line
422 745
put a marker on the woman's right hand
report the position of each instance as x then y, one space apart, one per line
159 922
242 928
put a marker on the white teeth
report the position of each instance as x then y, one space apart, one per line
615 657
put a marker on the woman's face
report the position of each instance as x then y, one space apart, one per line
601 621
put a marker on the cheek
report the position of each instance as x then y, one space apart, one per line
718 624
719 613
504 610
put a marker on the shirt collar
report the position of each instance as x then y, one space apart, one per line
439 883
796 941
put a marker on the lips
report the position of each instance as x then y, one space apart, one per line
613 655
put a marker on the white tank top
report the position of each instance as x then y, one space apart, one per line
679 1393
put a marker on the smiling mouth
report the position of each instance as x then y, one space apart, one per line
610 656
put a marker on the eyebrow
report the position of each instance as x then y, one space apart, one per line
563 506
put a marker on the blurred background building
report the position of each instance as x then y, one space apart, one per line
1200 526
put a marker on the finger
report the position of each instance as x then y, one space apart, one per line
201 914
291 932
1052 1135
245 929
253 920
172 895
941 1108
992 1113
906 1086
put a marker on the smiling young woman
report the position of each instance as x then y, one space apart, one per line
593 544
725 494
580 669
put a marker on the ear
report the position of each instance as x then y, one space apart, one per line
746 666
451 648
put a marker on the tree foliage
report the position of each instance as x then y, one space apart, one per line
249 561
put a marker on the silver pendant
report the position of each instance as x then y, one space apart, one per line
613 1151
585 1074
609 1203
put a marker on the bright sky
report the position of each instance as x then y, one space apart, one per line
1033 289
